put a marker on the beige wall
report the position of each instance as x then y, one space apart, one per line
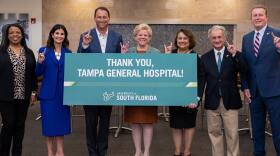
76 15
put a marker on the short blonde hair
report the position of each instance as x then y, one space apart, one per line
142 26
217 27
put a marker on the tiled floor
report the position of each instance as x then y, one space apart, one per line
162 145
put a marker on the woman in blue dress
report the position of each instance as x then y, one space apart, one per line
55 116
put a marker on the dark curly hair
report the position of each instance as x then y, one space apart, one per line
5 40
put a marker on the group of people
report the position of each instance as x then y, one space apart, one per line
258 64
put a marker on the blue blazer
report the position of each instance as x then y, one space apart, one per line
264 70
112 46
52 71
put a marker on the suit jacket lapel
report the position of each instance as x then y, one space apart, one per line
52 56
213 62
109 42
224 59
265 39
61 61
96 43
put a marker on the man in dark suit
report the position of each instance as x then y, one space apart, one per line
99 40
261 84
218 73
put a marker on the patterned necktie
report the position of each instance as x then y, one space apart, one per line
219 63
257 44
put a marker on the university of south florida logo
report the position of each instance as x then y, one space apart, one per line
107 96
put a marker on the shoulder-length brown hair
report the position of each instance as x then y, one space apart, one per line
189 34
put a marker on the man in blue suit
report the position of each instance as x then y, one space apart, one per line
99 40
261 84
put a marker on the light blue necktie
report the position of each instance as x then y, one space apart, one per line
219 63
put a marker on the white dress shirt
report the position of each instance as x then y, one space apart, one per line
261 33
102 40
222 51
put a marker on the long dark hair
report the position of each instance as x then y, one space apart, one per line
50 42
4 27
5 40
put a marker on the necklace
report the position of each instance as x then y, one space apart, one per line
57 54
16 50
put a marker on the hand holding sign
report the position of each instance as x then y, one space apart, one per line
276 40
191 106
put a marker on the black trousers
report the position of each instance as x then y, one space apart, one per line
13 119
97 129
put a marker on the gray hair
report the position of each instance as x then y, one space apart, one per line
217 27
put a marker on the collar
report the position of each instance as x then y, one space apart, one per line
99 34
262 30
10 50
222 51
